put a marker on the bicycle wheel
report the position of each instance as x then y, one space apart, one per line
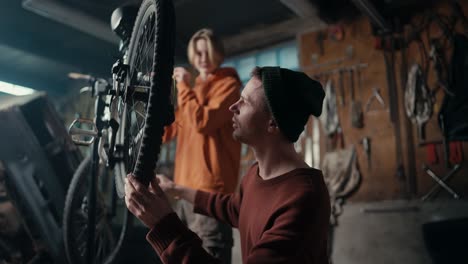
108 241
145 106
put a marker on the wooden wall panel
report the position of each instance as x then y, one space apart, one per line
381 182
459 181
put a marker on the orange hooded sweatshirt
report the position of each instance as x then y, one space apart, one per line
207 156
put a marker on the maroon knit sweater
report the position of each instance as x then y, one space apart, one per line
281 220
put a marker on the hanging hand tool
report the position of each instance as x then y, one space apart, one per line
375 95
341 84
319 40
366 144
358 72
389 58
356 106
438 186
329 116
408 131
418 99
440 182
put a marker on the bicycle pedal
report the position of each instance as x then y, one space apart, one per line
83 136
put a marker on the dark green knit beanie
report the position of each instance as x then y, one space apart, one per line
292 97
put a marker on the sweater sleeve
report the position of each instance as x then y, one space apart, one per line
224 207
208 117
170 132
176 244
301 226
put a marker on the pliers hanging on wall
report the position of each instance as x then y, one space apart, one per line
375 95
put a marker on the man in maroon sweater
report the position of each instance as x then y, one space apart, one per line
282 208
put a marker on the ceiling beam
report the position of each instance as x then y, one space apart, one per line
45 38
50 85
302 8
376 18
98 60
58 11
263 36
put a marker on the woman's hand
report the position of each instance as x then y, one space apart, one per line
149 204
181 75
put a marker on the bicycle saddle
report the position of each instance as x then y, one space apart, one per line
122 20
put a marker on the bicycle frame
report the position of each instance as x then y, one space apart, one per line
101 149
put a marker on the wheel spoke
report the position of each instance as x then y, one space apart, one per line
141 69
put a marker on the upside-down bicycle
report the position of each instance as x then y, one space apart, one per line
131 111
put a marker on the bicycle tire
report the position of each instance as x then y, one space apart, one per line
141 150
75 222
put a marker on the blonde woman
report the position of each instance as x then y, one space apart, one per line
207 156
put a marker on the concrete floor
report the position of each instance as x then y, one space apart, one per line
236 251
384 232
389 232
